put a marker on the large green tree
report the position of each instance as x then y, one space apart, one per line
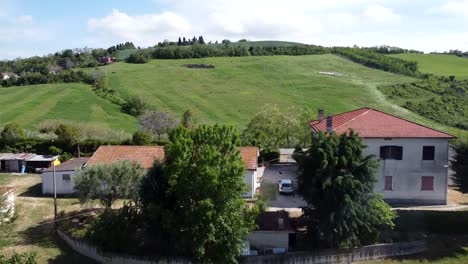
109 182
194 201
337 183
459 165
11 133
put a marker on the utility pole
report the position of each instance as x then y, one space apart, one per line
55 195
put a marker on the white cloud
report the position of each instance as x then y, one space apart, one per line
380 13
144 29
458 7
24 19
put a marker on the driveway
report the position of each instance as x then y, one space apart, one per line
269 187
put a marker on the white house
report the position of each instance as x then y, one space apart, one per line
274 231
64 174
145 155
413 159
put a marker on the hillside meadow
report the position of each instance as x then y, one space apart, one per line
230 93
439 64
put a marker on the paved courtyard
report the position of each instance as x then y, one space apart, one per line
273 173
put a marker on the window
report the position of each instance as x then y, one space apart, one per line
391 152
65 177
428 152
388 183
427 183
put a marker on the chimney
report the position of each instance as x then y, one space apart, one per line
320 114
329 123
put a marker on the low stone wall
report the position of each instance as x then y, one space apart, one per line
344 256
322 257
92 252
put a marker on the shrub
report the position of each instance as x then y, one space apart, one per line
441 222
65 156
142 138
140 56
271 156
135 105
54 150
19 258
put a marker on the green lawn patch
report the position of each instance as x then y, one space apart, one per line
439 64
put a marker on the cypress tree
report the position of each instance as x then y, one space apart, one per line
459 165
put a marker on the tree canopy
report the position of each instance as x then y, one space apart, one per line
11 133
337 183
459 165
194 201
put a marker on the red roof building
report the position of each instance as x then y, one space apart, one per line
372 123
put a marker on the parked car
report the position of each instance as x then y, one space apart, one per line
285 186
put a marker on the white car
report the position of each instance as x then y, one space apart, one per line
285 186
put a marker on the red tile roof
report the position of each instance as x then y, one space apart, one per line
146 155
371 123
69 165
250 157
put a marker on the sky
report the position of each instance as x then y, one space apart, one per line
31 27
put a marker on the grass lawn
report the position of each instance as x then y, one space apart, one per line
439 64
29 105
32 231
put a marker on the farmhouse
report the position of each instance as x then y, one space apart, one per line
413 159
63 176
106 60
145 155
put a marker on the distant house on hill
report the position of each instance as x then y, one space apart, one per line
106 60
7 75
413 159
145 155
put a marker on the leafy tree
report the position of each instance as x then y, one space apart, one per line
68 134
179 42
194 202
157 122
337 183
459 165
201 40
187 120
55 150
109 182
11 134
142 138
135 105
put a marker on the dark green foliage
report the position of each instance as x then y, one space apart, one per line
193 204
337 183
68 134
120 46
11 134
117 230
427 221
375 60
135 105
53 150
109 182
188 120
271 156
441 99
142 138
459 165
141 56
19 258
65 76
65 156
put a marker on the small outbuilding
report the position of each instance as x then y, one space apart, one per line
64 174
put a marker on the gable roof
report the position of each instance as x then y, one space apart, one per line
69 165
145 155
371 123
250 157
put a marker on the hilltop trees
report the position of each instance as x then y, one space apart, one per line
337 183
193 203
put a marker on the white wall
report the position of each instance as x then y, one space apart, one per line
407 172
262 240
250 178
63 187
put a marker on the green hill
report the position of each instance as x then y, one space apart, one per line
231 93
439 64
30 105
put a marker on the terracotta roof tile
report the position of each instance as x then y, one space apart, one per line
145 155
371 123
69 165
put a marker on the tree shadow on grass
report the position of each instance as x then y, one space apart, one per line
440 247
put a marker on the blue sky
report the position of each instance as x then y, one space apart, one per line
41 27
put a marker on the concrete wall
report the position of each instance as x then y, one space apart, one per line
250 178
262 240
63 187
407 172
334 256
92 252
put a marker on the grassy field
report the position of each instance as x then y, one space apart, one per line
29 105
439 64
231 93
32 230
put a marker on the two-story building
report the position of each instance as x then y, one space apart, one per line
413 158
